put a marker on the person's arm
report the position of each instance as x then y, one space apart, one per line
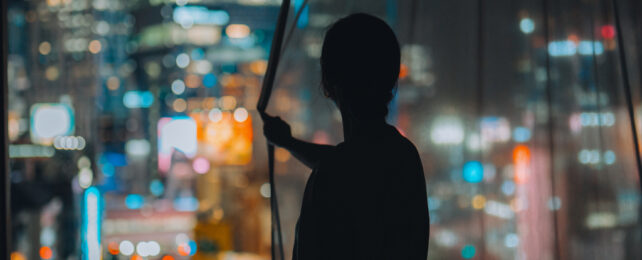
278 132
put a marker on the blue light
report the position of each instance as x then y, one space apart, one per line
508 188
305 14
186 204
521 134
192 247
468 251
473 172
91 223
527 25
198 54
138 99
586 48
156 187
116 159
108 169
146 99
134 201
562 48
209 80
200 15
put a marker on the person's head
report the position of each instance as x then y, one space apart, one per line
360 63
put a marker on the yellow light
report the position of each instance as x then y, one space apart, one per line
479 201
179 105
258 67
113 83
228 102
44 48
237 31
18 256
95 46
192 81
52 73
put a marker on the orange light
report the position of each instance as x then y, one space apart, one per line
521 160
168 257
184 249
136 257
574 38
403 71
112 247
17 256
45 252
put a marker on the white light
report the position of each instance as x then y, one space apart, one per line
584 156
137 147
182 60
240 114
609 157
527 25
178 87
601 220
69 143
215 115
126 247
49 121
178 133
265 190
154 248
85 177
181 239
498 209
447 130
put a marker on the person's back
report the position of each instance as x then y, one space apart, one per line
366 200
366 197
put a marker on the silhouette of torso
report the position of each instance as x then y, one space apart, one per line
365 200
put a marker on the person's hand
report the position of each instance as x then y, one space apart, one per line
276 130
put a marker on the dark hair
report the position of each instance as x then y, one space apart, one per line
360 63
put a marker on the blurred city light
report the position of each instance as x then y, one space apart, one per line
134 201
447 130
237 31
187 16
91 224
527 25
473 172
50 120
138 99
126 247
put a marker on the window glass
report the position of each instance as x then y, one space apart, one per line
134 134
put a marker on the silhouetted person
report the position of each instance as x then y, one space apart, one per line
366 197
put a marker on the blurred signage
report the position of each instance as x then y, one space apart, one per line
49 120
187 16
227 137
91 224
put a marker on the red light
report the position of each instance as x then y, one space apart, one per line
184 249
403 71
45 252
168 257
112 247
521 160
608 31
